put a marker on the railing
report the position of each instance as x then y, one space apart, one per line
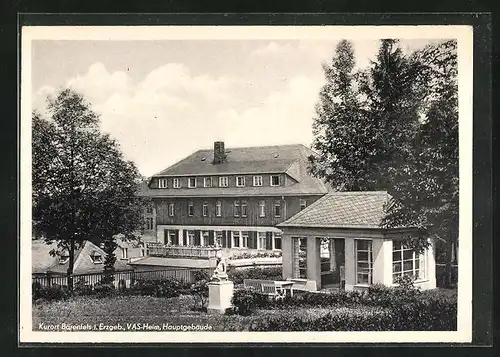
159 250
127 278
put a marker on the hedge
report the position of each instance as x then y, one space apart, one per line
238 275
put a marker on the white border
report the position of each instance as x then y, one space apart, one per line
462 33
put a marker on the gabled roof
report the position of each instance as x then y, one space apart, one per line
287 159
343 210
43 262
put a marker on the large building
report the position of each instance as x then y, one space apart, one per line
236 196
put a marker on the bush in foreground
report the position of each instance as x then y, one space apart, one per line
238 275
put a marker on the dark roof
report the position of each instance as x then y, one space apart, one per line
343 210
289 159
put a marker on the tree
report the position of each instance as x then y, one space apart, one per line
425 190
394 126
364 118
83 189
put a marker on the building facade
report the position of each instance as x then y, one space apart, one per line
235 197
338 242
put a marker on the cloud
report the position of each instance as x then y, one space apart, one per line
169 113
274 49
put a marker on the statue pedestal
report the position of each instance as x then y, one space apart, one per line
219 296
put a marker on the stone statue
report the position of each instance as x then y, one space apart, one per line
219 273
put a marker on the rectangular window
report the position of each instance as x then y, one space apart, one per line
177 183
171 209
277 241
205 209
205 237
302 204
218 208
240 181
277 209
244 210
207 182
149 223
191 238
275 180
192 182
299 258
162 183
245 240
236 239
262 208
223 181
174 240
124 253
262 240
257 180
236 208
364 261
190 209
406 262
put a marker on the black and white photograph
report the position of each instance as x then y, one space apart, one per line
212 183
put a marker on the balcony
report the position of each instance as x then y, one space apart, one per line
160 250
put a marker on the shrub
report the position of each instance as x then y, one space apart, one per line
168 287
104 289
238 275
200 292
51 293
245 301
81 288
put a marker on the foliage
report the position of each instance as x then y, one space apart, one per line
246 300
247 255
394 126
82 187
109 260
167 287
50 293
199 289
81 288
238 275
104 289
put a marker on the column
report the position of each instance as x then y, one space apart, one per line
160 236
382 261
287 254
257 236
169 240
272 240
202 239
230 239
313 261
241 239
295 259
350 264
181 237
333 256
431 265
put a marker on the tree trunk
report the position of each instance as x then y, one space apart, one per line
71 264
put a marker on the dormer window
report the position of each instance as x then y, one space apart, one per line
240 181
177 183
257 180
162 183
96 257
207 182
192 182
124 253
63 259
223 181
275 180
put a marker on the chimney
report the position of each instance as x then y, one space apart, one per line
219 152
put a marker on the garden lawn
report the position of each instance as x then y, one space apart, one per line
123 310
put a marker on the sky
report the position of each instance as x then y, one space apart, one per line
163 100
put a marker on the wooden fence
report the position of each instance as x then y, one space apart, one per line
126 278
